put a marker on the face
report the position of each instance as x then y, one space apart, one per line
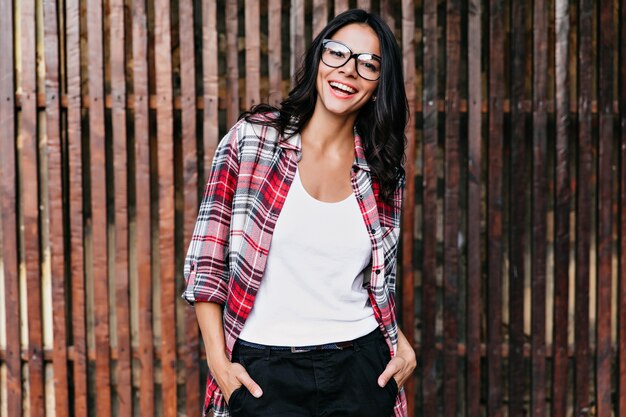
341 91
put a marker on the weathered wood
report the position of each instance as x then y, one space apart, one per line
429 154
8 213
191 337
253 53
585 177
320 16
232 67
386 11
364 4
605 210
29 199
341 6
210 79
621 319
143 236
297 37
518 208
274 53
562 213
494 207
123 386
451 208
474 192
408 215
55 204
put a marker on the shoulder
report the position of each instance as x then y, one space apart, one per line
257 130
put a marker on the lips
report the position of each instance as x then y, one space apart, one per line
342 88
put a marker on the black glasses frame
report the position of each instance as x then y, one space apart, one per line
351 56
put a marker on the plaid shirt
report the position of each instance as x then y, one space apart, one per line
252 171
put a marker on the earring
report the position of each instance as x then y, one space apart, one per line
373 98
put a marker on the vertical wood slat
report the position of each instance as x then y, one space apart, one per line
274 53
253 53
210 81
165 153
583 212
55 204
562 213
518 197
494 208
75 192
605 191
408 215
366 5
341 6
98 188
297 37
429 226
621 370
8 205
320 16
474 174
232 67
142 241
386 12
29 196
123 387
451 208
190 186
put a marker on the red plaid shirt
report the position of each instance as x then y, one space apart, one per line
252 171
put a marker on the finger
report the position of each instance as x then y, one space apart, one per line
390 370
250 385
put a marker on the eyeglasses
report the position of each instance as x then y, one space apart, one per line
336 54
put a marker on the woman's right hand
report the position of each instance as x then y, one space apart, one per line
230 376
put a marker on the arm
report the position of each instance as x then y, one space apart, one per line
229 376
402 365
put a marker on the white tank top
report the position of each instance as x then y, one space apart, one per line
312 291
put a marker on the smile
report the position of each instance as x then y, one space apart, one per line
342 87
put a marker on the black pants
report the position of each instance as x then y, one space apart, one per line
322 383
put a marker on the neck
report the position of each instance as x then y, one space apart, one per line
330 130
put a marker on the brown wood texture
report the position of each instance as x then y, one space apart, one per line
408 215
165 156
8 220
451 209
232 67
341 6
320 16
210 81
365 5
98 219
191 339
474 216
297 42
29 200
518 187
495 208
253 53
585 177
143 236
274 52
123 369
605 223
429 226
55 188
560 385
621 319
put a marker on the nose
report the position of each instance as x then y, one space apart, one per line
349 68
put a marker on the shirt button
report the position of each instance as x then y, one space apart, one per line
359 197
372 230
378 272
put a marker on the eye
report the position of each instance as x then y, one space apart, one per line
336 52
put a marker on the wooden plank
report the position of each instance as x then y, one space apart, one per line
561 214
621 405
253 52
123 386
8 210
232 67
429 154
518 208
341 6
75 192
29 186
98 188
190 180
408 214
165 155
386 12
605 221
55 204
365 5
274 52
297 37
585 178
494 208
451 209
211 81
474 174
320 16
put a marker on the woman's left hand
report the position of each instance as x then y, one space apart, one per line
402 365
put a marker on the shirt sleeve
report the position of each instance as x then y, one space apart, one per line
390 276
206 270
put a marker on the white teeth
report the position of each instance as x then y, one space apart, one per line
343 87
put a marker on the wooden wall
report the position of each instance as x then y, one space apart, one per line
513 257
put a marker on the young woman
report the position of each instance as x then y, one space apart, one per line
292 265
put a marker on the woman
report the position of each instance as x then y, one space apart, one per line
292 264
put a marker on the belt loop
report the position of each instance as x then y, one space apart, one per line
355 343
268 351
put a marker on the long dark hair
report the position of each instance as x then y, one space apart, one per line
380 123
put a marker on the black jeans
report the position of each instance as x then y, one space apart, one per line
321 383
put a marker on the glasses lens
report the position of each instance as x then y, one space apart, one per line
335 54
368 67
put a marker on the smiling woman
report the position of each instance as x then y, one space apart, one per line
292 264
